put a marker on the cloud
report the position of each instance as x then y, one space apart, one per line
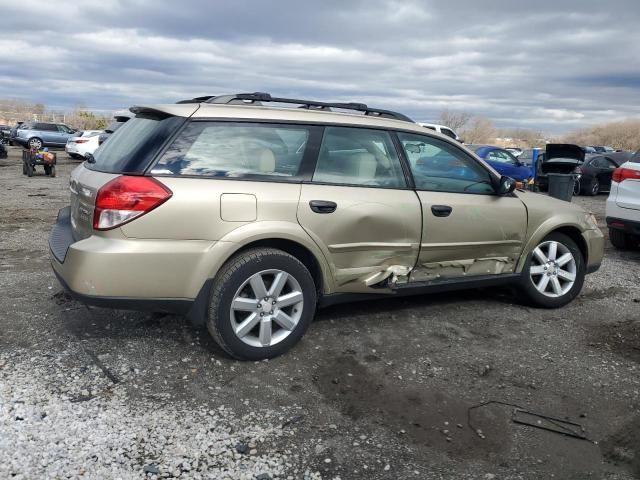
547 65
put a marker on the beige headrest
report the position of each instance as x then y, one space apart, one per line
265 160
363 166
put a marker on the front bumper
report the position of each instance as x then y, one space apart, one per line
595 248
155 275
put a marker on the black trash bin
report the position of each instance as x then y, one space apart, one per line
561 185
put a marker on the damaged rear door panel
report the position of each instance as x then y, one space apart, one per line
359 210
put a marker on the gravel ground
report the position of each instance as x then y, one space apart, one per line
376 390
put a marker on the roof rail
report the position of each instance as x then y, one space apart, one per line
258 98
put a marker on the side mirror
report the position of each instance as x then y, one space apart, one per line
506 185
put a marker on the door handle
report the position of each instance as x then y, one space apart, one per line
323 206
441 210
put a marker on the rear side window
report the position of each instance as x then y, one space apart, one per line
358 156
236 150
132 148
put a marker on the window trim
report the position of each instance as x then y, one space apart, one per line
313 148
494 179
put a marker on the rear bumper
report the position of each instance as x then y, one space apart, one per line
156 275
628 226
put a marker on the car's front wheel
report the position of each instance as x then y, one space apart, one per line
554 272
262 303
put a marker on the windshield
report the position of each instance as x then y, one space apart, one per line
133 146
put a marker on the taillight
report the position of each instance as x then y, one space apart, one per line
577 170
82 140
125 198
622 174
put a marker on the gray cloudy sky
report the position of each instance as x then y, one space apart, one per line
553 65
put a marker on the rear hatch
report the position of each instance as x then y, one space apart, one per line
561 158
130 150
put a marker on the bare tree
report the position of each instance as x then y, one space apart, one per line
454 119
479 130
623 135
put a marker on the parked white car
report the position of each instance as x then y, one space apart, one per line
623 204
86 143
441 129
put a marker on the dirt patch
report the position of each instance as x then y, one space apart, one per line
425 417
600 293
623 447
622 338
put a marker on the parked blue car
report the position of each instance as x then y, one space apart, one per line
43 134
504 162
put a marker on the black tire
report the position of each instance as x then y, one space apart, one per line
230 278
35 142
621 240
29 170
529 293
47 170
594 188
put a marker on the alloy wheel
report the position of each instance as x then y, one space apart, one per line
35 143
553 269
266 308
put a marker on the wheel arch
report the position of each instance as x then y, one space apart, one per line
307 252
572 230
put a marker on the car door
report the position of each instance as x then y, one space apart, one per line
608 166
64 133
360 211
467 230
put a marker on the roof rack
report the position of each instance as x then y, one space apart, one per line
258 98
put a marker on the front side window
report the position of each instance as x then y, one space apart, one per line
358 156
441 167
501 157
235 150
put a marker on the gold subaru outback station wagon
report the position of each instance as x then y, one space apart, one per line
247 217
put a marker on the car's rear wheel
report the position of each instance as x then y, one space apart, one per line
262 303
554 272
594 187
36 143
621 239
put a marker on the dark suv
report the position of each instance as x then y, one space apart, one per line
43 134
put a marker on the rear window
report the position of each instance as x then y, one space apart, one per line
132 148
236 150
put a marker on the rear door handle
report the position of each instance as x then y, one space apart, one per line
441 210
323 206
